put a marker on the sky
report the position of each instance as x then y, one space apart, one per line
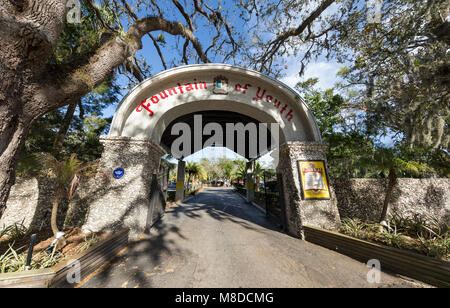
321 68
325 71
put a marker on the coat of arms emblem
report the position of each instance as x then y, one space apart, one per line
220 85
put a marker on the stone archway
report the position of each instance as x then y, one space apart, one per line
136 140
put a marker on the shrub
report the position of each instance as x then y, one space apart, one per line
14 260
417 233
15 231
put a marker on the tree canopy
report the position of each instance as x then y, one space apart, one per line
57 77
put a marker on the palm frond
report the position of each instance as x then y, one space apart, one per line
73 185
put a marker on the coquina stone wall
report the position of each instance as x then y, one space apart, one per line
122 203
30 200
318 213
363 198
30 204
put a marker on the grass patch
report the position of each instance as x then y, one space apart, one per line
14 260
420 234
14 241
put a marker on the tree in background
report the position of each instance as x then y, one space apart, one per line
258 173
240 173
437 160
211 169
401 64
396 70
338 124
66 173
63 132
326 106
227 168
79 124
399 69
32 85
351 142
167 164
194 171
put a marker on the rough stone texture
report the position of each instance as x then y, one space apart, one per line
117 203
30 204
22 203
317 213
363 198
105 203
79 205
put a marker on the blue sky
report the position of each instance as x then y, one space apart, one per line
321 68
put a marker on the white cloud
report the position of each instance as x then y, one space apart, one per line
325 71
322 69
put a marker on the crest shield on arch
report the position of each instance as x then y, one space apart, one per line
220 85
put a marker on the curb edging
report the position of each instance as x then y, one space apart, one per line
56 276
427 269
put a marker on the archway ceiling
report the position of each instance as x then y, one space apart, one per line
214 116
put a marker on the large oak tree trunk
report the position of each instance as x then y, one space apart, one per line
29 30
29 88
14 125
12 142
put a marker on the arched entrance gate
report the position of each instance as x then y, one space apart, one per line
140 135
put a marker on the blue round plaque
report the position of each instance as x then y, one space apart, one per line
118 173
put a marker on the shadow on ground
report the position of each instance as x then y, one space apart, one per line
142 259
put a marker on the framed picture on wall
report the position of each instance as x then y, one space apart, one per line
314 179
